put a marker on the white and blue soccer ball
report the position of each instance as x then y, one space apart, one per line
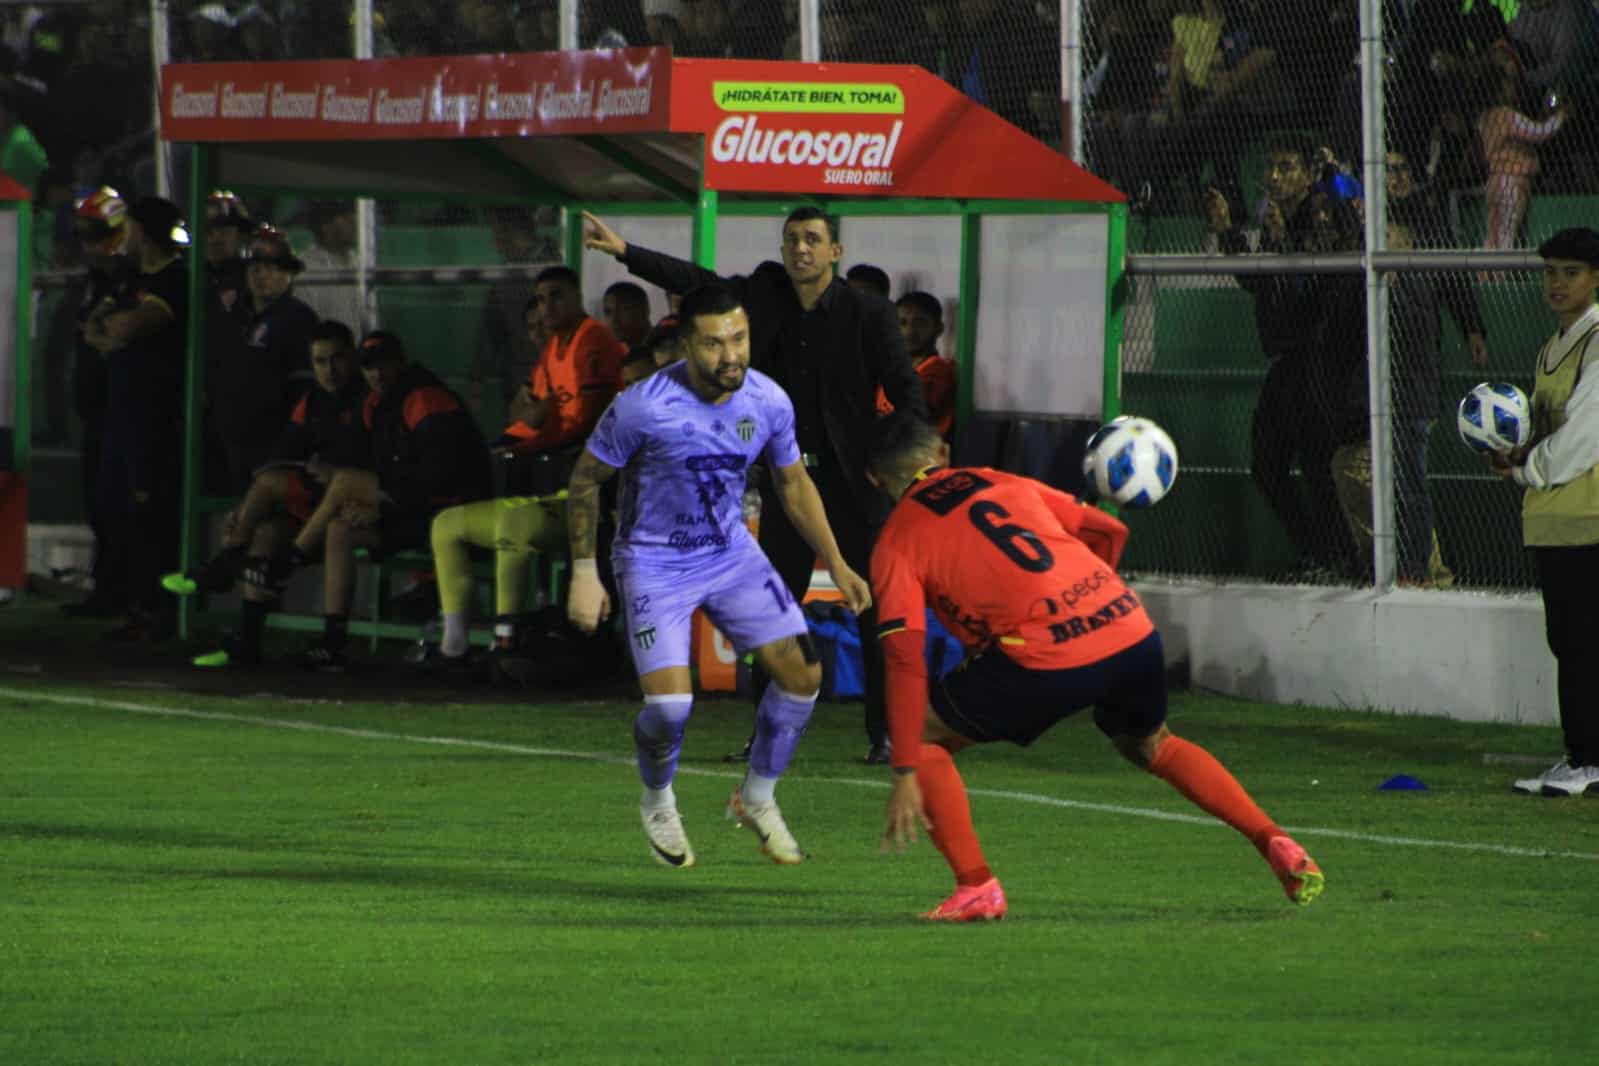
1494 417
1132 461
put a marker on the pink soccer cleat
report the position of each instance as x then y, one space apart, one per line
1301 877
971 903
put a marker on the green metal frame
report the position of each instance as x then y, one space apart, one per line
703 207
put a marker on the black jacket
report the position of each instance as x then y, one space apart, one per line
258 366
325 425
426 447
834 388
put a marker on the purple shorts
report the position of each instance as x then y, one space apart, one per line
740 592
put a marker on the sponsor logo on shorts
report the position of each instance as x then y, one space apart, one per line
645 638
746 429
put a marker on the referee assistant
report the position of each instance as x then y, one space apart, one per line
831 347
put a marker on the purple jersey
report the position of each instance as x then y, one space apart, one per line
681 499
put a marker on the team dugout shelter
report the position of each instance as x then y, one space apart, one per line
702 159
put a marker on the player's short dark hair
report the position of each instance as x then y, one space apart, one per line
1291 144
330 329
811 212
380 346
706 300
629 292
564 274
925 302
1578 242
898 438
874 277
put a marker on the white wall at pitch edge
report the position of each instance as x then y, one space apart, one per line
1474 657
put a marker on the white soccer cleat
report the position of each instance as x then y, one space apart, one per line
668 843
1568 780
1533 786
766 822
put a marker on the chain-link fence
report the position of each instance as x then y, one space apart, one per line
1234 126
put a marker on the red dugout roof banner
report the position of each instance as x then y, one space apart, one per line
855 129
538 93
782 128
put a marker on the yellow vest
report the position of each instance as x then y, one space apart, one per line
1565 515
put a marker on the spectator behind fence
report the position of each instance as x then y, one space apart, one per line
332 224
426 453
921 323
324 429
626 310
1549 34
100 224
1415 303
831 347
1292 414
144 343
1560 512
255 379
1008 62
1510 142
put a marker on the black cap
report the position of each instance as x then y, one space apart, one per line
269 245
381 346
1579 243
160 219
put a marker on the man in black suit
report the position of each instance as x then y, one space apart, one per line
831 347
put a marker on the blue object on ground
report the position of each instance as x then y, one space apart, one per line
1402 783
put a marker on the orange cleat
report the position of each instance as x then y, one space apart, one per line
1301 877
971 903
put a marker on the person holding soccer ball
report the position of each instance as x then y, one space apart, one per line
1025 576
1559 467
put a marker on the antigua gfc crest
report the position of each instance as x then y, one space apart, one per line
745 429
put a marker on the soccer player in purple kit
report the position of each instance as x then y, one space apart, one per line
684 439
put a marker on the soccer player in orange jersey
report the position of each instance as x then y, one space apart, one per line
1025 576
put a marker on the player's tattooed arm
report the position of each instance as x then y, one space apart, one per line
583 503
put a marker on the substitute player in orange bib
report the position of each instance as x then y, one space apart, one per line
1025 576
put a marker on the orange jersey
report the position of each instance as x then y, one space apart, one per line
1006 559
938 389
579 377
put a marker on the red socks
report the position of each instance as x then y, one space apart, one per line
944 795
1196 773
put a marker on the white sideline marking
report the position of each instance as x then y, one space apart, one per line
23 697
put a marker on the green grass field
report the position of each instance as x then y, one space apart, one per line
200 879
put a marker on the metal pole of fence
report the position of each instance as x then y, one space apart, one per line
160 53
810 29
1384 545
1071 75
366 215
567 14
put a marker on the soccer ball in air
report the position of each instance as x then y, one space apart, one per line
1494 417
1132 461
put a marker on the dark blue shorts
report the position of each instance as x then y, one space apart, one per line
990 697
